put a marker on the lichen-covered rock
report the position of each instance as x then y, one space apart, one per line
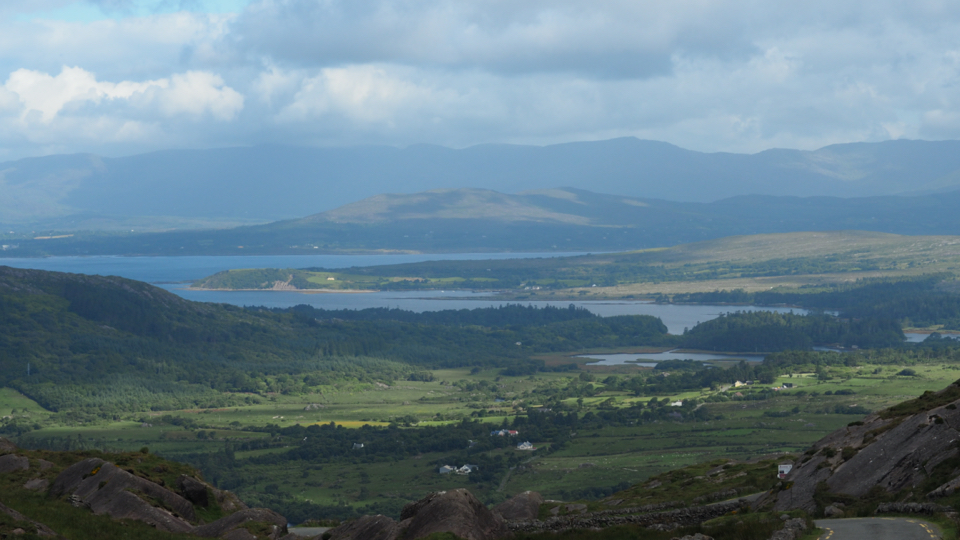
222 526
792 529
891 453
228 501
832 512
457 511
40 528
37 484
12 462
911 508
107 489
946 489
523 506
193 490
6 446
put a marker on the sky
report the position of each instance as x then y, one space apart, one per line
118 77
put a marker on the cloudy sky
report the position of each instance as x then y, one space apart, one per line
118 77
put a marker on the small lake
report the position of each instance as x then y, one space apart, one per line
171 273
652 359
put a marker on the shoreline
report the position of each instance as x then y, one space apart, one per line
305 291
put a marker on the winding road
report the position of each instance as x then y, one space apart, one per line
878 529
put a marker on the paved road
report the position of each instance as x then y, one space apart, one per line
878 529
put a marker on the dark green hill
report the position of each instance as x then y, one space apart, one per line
105 345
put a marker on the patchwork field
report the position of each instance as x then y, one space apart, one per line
593 462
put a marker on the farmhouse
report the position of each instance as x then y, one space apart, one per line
504 432
525 446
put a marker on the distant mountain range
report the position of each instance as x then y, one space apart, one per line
567 219
231 186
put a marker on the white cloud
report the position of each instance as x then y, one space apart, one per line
712 75
48 95
193 93
197 92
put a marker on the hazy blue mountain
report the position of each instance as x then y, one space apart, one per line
564 219
190 188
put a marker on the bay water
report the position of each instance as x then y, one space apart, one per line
175 274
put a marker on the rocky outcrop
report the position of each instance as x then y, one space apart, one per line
106 489
456 511
894 453
193 490
39 528
946 489
13 462
912 508
667 520
221 528
524 506
6 447
792 530
376 527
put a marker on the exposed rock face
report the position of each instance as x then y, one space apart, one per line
456 511
107 489
880 452
7 447
37 484
912 508
41 529
222 527
104 488
832 512
792 529
524 506
13 462
193 490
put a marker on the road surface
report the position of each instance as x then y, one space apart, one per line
878 529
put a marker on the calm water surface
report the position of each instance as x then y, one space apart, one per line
651 359
171 272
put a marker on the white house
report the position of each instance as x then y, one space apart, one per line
466 469
525 446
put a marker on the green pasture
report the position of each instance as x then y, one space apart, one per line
742 429
13 403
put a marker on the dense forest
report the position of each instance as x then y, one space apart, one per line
63 335
923 301
766 331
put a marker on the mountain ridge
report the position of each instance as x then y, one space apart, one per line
268 183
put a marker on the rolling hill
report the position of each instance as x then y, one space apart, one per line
560 219
230 186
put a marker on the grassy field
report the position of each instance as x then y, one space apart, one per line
593 458
15 403
752 263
